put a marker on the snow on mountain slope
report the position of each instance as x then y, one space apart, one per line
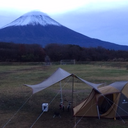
33 18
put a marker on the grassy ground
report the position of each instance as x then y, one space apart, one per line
13 94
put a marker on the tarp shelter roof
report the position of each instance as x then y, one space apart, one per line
95 86
56 77
119 85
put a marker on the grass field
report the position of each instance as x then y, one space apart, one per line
15 113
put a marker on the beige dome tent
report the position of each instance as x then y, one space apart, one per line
108 102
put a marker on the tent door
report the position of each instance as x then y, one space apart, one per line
122 109
105 102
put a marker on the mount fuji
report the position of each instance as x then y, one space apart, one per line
33 18
37 27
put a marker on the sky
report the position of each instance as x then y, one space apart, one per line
102 19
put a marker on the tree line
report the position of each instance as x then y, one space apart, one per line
11 52
58 52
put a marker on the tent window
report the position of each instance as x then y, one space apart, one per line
104 103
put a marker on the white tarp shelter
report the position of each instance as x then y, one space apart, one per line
56 77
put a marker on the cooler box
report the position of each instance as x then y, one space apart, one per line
45 107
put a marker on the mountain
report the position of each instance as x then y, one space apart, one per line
38 27
33 18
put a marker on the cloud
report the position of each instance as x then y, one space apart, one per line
57 6
49 6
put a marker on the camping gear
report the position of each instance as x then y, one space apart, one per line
108 102
56 77
45 107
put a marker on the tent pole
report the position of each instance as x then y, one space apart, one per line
72 92
61 100
72 88
98 111
73 84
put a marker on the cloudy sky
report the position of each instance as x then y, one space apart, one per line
103 19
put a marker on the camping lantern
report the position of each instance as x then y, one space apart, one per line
45 107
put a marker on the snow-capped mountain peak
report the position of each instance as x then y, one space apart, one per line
35 13
33 18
